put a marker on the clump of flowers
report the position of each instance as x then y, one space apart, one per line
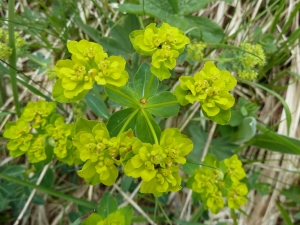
224 180
5 50
195 51
100 153
250 57
38 127
211 88
89 64
164 44
158 164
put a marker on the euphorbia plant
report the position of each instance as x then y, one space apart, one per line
132 138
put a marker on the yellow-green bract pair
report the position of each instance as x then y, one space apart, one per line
164 44
210 87
89 64
157 164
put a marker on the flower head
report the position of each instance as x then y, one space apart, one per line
89 64
101 154
210 87
213 185
38 113
157 164
164 44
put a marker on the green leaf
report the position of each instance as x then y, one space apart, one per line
143 129
246 130
221 118
190 165
262 188
222 148
297 215
58 93
118 119
127 212
284 214
145 84
204 28
275 142
236 118
292 193
164 105
48 179
88 30
107 205
121 33
113 47
85 125
126 183
125 96
97 105
33 89
191 6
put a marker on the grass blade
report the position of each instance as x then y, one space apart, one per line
52 192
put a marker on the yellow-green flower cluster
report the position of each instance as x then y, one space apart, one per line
89 64
158 164
5 50
195 51
164 44
210 87
101 153
22 138
215 184
61 135
250 57
38 126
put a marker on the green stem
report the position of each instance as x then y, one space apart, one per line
50 191
163 211
151 127
160 104
149 85
155 209
13 57
128 121
233 215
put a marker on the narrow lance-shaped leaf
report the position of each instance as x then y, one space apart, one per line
118 119
164 105
144 82
143 129
97 105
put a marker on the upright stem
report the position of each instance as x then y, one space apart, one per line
13 57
